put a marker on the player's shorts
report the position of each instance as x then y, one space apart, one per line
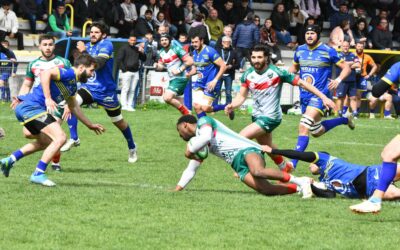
178 85
203 84
33 116
372 179
5 76
314 102
239 163
346 88
266 123
108 100
362 84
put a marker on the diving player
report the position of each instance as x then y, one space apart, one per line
206 81
264 82
35 111
338 176
101 88
390 154
176 60
315 60
245 157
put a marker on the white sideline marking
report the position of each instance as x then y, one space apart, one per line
351 143
139 185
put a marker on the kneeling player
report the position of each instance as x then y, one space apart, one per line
245 157
35 112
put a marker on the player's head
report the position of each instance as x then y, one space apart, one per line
165 40
85 66
98 32
186 127
312 34
47 45
260 56
359 47
5 43
314 169
197 42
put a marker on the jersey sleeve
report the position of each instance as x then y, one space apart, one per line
180 52
205 120
243 80
322 159
29 73
288 77
392 75
66 74
296 58
213 54
67 63
106 50
334 56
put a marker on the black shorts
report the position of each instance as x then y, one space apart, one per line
87 99
35 126
360 184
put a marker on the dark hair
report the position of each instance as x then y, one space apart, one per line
5 41
101 26
197 35
262 48
188 119
132 34
148 11
46 37
344 22
198 17
85 60
183 34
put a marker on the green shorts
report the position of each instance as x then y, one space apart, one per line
266 123
239 163
178 85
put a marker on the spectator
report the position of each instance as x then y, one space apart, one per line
359 13
199 28
190 10
228 54
396 27
360 32
112 13
160 20
85 10
257 21
311 7
130 18
151 5
297 18
241 11
228 31
215 26
246 35
381 36
184 42
8 69
164 7
375 21
59 23
268 37
9 25
281 23
144 25
206 7
343 14
227 13
33 11
128 62
150 49
177 14
341 33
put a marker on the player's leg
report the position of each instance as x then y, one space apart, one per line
263 186
209 96
388 106
392 193
82 97
198 101
390 156
176 88
345 105
132 90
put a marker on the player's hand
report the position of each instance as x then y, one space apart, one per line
329 104
178 188
228 109
333 84
211 85
51 106
97 128
15 101
176 71
266 149
81 46
67 113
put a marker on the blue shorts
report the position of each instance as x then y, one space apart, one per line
362 84
372 179
314 101
5 76
28 111
109 100
214 93
346 88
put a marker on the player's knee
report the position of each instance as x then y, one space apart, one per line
60 139
167 98
317 129
389 155
206 108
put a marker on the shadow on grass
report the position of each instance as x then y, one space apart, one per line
88 170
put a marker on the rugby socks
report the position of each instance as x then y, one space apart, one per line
279 161
330 124
200 115
218 107
73 127
302 143
16 155
184 110
128 136
387 113
374 199
344 109
40 168
292 188
355 113
387 175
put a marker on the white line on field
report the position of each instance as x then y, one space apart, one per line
139 185
349 143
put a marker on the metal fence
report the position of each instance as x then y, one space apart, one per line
12 75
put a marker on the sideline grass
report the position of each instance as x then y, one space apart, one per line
103 202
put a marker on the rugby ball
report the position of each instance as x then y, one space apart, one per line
202 153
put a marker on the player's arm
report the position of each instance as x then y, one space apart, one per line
294 68
222 67
198 142
239 99
101 59
45 80
77 111
188 174
310 88
346 70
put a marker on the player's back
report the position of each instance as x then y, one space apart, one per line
392 76
103 80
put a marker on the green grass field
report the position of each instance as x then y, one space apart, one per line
103 202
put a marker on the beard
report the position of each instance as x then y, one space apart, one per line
83 77
258 65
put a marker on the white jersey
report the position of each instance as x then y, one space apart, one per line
38 65
225 143
266 87
173 59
